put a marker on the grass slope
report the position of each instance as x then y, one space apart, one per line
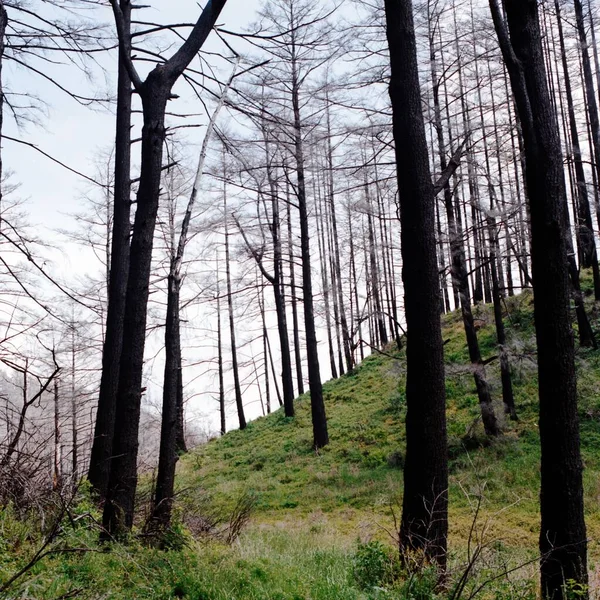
355 477
311 509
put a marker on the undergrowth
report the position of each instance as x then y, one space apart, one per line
322 526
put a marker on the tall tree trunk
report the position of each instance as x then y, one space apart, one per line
278 286
119 506
563 545
168 456
100 458
295 320
234 362
424 511
319 419
336 245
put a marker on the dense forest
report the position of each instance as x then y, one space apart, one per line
272 265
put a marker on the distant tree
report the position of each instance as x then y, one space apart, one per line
299 47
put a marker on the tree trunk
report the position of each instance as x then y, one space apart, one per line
424 512
507 390
168 457
234 362
100 458
295 320
119 506
278 289
319 419
563 545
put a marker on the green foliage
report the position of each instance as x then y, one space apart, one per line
374 565
309 507
573 590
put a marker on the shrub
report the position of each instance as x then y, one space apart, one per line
374 565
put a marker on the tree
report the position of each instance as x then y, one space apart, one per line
99 469
171 433
297 50
563 544
154 92
425 504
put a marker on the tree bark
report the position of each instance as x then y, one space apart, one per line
100 458
424 511
563 545
319 419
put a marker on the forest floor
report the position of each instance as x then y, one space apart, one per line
323 524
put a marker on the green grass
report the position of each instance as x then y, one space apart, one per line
312 508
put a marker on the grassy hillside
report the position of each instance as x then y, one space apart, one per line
352 481
316 514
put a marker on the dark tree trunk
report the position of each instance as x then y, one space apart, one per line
507 390
295 320
563 545
424 512
278 289
234 362
154 92
168 457
99 468
119 506
319 419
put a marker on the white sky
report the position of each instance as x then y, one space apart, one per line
74 134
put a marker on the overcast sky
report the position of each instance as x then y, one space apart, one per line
75 134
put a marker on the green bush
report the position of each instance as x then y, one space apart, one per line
373 565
